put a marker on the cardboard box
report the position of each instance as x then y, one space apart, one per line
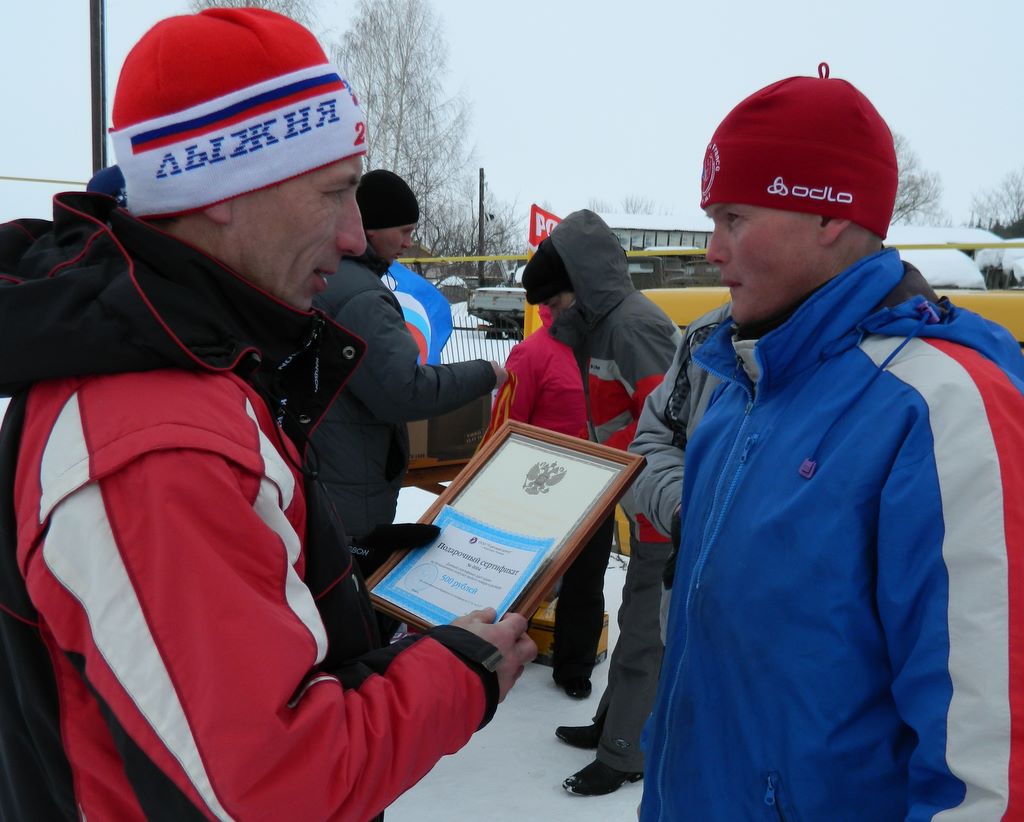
542 631
451 437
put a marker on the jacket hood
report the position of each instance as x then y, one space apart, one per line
941 319
99 292
595 262
597 268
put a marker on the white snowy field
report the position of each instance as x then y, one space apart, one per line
513 769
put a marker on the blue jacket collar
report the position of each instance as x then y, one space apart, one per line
826 323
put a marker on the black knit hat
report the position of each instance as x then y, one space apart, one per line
386 200
545 274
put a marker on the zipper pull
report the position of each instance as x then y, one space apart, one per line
315 332
769 794
748 447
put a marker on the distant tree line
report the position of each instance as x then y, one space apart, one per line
396 57
1001 209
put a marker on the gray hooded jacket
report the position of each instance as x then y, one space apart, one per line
623 342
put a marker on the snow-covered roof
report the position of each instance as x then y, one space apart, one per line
1012 256
659 222
926 234
451 281
945 267
1003 258
989 258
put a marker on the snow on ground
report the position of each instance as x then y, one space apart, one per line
513 769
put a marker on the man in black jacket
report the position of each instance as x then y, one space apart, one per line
363 442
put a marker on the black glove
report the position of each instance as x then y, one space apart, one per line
372 550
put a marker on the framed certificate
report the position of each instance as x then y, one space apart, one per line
511 522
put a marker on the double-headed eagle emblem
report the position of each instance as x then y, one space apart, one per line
542 476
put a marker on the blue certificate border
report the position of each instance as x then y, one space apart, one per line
387 588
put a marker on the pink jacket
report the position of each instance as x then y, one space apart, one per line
548 390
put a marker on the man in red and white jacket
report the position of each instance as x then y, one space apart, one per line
183 631
623 344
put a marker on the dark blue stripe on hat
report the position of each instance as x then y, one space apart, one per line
140 140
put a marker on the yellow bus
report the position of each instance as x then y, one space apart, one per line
684 305
1005 307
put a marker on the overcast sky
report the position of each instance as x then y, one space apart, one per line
580 99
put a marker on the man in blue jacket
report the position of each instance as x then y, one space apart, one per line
846 622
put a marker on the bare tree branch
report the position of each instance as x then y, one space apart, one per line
1002 208
396 57
638 204
918 192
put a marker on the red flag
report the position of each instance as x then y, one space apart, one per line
542 223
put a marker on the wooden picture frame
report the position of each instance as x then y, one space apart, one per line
531 497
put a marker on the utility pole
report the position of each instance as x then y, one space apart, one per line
98 57
480 234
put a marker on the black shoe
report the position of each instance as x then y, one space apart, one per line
578 687
598 779
581 736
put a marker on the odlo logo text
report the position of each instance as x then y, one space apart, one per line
826 194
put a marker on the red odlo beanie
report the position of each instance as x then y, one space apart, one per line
808 144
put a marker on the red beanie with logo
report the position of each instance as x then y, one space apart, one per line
217 104
810 144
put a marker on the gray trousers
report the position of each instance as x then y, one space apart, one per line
636 659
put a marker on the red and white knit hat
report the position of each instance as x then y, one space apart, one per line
808 144
213 105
